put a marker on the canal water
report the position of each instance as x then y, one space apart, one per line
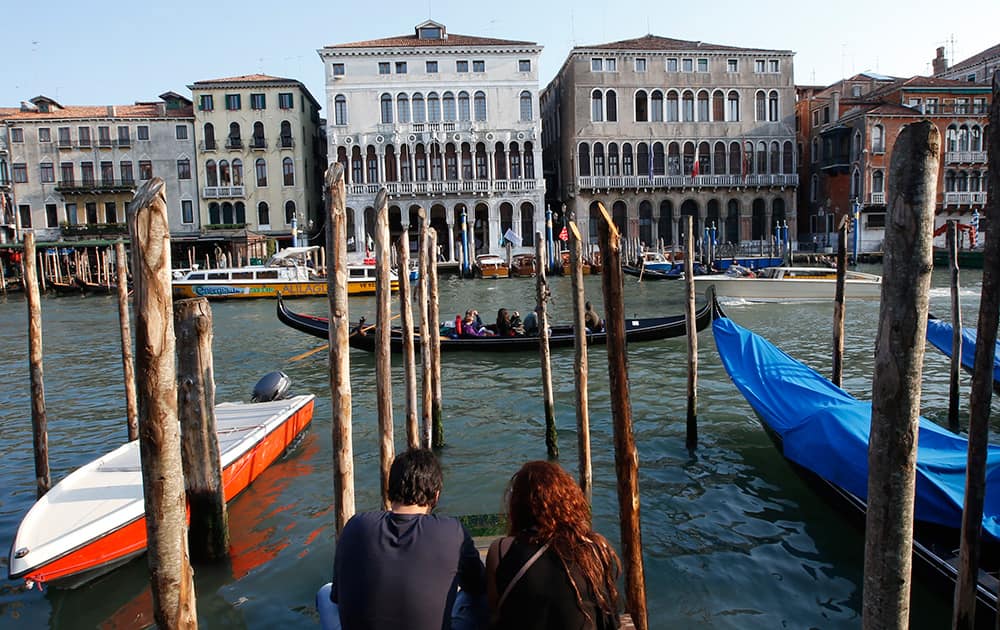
731 537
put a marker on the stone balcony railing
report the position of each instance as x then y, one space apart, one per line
965 198
965 157
602 182
457 187
223 192
877 199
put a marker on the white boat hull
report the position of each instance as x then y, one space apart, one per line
786 289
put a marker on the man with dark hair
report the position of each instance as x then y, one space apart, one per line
401 568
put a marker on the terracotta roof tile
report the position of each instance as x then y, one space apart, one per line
657 43
919 81
989 53
140 110
453 40
248 78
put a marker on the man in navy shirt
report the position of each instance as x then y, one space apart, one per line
402 568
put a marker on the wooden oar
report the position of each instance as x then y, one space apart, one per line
642 269
309 353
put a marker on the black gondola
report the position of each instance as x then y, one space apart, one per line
651 274
648 329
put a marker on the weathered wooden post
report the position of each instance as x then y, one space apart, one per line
982 383
435 339
956 328
128 367
542 297
580 363
899 356
208 534
171 577
39 421
383 336
838 304
626 455
339 351
409 354
423 295
691 437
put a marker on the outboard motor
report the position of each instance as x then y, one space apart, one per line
273 386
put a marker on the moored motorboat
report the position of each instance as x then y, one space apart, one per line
779 284
823 431
490 266
636 329
522 266
94 520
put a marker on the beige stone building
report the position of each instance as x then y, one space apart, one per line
658 128
260 158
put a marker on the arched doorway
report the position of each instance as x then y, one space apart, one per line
646 224
689 209
481 230
732 231
619 214
758 230
666 223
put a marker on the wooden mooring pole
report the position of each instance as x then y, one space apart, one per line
426 378
409 353
208 534
339 350
626 455
580 363
838 304
171 578
982 383
39 421
691 320
899 355
956 328
433 317
383 335
128 365
542 297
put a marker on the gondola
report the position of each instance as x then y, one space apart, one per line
823 432
652 274
939 334
649 329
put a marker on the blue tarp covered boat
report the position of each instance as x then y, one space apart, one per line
939 334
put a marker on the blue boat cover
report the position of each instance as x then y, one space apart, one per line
939 334
824 429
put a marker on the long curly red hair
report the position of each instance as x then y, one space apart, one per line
545 505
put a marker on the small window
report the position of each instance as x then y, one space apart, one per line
218 275
611 65
524 65
142 132
181 132
257 101
184 168
20 171
432 67
205 103
400 67
47 172
271 274
25 210
51 215
44 134
597 65
461 66
17 134
233 102
145 169
479 66
971 78
758 65
640 64
732 65
671 64
876 220
687 65
64 138
338 69
773 66
703 65
187 211
242 275
286 100
383 67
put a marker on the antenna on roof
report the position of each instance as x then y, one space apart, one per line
649 30
572 26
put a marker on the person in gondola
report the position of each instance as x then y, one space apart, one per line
470 328
503 324
592 320
516 325
531 322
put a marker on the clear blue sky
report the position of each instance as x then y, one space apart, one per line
85 54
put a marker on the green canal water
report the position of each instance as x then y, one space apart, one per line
732 538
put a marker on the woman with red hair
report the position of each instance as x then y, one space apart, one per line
553 570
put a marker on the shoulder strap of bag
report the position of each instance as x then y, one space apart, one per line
524 569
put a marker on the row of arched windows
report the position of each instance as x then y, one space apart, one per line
965 181
447 107
677 158
963 138
434 162
228 213
234 139
225 173
684 106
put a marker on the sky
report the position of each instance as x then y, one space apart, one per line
80 54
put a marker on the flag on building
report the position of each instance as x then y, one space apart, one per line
512 237
745 166
696 168
369 243
650 159
564 234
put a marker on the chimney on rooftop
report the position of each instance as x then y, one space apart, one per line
111 110
940 62
835 114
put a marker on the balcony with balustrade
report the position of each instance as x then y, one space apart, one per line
965 157
446 187
92 186
223 192
635 182
876 199
965 199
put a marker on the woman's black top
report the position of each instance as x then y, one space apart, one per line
544 597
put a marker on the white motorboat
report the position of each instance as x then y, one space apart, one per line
781 284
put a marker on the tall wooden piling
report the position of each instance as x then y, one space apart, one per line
426 369
956 328
39 421
691 321
541 310
899 355
43 265
433 317
409 354
128 367
580 363
339 350
383 335
982 384
208 534
626 455
838 304
171 578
